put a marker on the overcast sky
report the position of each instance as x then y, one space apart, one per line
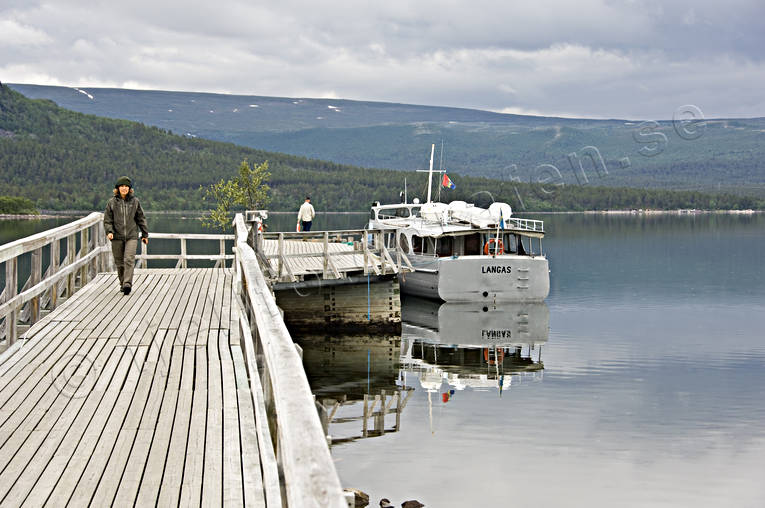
638 59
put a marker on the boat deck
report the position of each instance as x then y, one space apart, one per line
132 400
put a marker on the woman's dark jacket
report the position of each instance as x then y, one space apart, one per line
124 217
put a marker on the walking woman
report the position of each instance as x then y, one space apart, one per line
122 220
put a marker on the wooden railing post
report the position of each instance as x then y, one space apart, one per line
71 254
34 279
365 244
222 262
93 245
281 255
326 253
11 290
55 253
182 261
84 244
144 251
398 252
380 248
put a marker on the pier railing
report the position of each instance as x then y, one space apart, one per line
86 253
369 244
527 224
292 432
183 257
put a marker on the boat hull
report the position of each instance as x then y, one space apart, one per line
479 278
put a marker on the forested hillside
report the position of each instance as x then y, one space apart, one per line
715 155
65 160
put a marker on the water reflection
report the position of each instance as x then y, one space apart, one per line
448 347
355 381
362 383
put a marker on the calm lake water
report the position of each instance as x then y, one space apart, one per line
650 390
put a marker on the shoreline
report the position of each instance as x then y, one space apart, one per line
49 214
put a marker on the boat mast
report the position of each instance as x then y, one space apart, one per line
440 170
430 172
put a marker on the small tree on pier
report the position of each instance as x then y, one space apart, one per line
247 190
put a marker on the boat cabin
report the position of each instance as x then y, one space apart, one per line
447 234
469 243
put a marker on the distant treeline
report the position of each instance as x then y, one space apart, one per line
17 205
60 160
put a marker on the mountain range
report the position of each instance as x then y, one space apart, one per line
63 159
711 155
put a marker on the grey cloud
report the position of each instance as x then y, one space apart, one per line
638 59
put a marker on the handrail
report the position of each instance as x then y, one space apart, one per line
310 477
314 234
30 243
44 289
528 224
374 254
182 258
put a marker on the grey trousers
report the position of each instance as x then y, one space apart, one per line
124 258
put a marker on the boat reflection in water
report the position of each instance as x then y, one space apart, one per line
362 383
354 379
448 347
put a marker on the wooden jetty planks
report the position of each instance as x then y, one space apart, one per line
151 481
184 352
120 466
143 420
116 441
162 412
24 419
212 487
73 434
254 483
233 492
193 472
53 428
34 337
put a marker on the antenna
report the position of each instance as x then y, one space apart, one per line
430 172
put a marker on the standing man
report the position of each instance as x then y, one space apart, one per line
306 215
122 220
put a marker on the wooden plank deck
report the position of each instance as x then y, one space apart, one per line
132 400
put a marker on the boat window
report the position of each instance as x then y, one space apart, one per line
445 246
509 243
521 247
430 245
473 244
416 244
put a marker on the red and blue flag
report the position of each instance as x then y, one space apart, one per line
447 182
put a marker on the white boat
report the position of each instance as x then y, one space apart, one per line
461 252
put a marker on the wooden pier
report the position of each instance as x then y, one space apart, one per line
343 279
187 391
294 257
